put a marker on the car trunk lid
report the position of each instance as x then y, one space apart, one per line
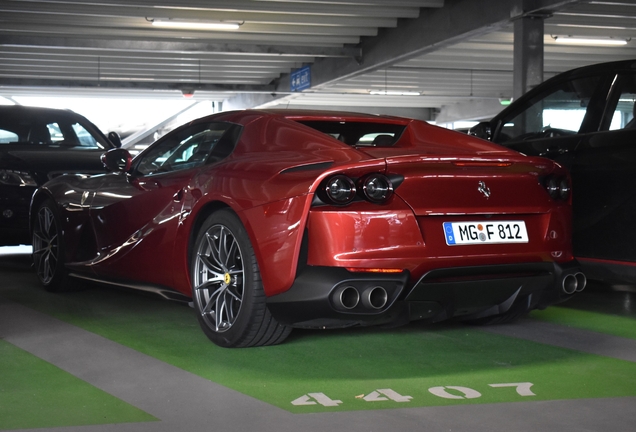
472 185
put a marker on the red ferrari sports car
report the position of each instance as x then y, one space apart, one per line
269 220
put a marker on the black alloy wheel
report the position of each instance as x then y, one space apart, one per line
48 249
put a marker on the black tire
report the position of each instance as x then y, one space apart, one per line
227 291
48 249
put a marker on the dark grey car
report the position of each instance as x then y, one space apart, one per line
584 119
37 144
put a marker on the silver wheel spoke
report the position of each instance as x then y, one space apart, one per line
214 252
212 299
211 265
235 296
223 248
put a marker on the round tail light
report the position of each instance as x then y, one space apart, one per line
564 189
552 186
558 187
340 189
377 188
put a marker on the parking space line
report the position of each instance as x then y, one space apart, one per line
171 394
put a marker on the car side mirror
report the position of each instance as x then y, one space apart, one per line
114 138
117 160
481 130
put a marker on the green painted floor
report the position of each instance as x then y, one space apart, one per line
36 394
313 371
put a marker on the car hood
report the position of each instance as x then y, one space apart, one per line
49 162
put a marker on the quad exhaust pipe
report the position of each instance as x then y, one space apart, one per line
374 298
573 282
348 297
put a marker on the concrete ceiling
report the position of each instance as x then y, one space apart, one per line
456 55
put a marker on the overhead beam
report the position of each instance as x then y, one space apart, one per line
377 8
236 49
36 82
52 11
435 29
458 20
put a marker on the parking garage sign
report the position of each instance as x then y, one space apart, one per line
301 79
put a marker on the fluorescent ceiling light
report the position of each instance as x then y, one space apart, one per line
394 93
567 40
195 25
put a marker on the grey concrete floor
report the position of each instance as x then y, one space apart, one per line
185 402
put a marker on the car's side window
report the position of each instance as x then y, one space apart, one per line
84 137
65 133
188 149
7 136
559 111
625 109
55 132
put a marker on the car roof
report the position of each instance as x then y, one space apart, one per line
242 116
304 114
30 110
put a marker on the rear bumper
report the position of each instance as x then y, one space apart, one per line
328 297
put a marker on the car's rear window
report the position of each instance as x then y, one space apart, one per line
359 134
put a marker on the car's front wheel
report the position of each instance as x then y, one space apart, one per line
227 291
48 248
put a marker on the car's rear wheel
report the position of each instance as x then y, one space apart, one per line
48 249
227 291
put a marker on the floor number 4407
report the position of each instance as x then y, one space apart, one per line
379 395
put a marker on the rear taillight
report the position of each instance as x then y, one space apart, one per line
376 188
342 190
558 187
339 190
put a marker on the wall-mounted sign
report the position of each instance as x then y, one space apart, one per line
301 79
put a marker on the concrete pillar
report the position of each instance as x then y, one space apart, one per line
528 54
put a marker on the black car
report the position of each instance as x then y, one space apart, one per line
584 120
37 144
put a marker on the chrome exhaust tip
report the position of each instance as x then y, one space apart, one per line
569 284
346 297
581 281
375 298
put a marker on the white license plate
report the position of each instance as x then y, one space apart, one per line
463 233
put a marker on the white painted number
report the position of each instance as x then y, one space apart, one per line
313 398
441 392
379 395
390 394
523 389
